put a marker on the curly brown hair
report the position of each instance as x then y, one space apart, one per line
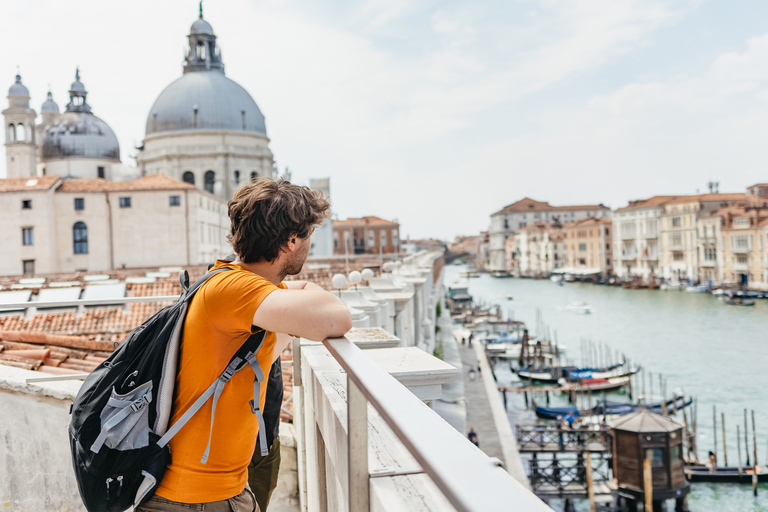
266 213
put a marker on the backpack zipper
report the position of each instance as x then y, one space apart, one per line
119 479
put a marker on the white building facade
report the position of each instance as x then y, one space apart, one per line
525 212
53 225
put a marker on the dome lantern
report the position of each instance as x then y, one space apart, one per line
203 53
77 95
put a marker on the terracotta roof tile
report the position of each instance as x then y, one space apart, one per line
527 204
647 203
708 198
363 221
22 184
151 182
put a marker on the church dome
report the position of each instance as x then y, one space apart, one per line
204 98
18 89
201 27
77 133
80 135
49 106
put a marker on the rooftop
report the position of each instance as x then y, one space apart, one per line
22 184
369 220
647 203
151 182
531 205
704 198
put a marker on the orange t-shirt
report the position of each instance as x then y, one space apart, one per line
218 323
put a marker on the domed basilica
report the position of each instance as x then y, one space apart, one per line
203 129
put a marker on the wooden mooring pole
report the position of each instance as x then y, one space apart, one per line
714 429
725 449
746 437
738 445
754 455
648 484
590 488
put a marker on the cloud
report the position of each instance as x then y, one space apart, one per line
403 104
651 138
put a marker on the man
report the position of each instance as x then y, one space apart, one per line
272 222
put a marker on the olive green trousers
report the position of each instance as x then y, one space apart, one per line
262 474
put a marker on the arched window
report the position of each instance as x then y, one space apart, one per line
21 132
254 175
11 133
80 237
200 50
237 178
210 180
188 177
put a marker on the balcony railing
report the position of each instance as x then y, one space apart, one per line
740 250
470 480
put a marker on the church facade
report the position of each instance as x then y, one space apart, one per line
71 205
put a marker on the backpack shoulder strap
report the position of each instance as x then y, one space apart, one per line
237 362
187 291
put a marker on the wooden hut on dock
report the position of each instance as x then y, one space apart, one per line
644 442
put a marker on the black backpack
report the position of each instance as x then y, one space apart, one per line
119 429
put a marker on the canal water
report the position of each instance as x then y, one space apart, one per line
715 352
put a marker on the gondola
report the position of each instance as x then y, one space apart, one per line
701 473
611 384
572 373
609 408
737 301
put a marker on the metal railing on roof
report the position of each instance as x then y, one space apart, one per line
470 480
117 301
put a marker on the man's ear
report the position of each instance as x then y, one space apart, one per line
290 245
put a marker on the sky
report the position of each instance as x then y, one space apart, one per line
438 114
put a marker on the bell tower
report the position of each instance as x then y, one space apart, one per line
20 139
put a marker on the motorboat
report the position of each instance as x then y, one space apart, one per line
580 307
672 287
701 288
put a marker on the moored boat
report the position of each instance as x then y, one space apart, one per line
732 300
743 475
608 408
